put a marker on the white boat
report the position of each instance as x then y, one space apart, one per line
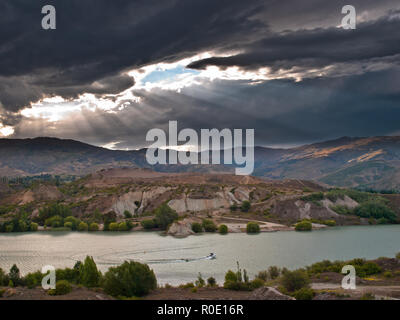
212 256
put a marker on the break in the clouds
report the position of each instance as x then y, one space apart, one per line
113 70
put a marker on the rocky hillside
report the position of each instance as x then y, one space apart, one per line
196 196
346 162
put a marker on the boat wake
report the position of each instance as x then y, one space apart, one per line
211 256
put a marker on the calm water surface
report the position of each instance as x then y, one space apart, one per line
167 255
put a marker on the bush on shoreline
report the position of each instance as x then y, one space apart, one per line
197 227
253 227
303 226
223 229
129 279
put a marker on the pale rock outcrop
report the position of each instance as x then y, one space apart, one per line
127 202
181 228
149 195
269 293
195 205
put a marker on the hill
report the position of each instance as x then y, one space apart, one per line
372 162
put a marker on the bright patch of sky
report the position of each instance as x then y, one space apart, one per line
170 75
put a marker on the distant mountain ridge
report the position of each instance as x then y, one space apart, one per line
369 162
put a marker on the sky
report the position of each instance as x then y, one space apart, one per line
113 70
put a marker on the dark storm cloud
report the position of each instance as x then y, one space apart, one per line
317 47
97 40
314 110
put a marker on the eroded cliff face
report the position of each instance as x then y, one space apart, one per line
295 209
208 195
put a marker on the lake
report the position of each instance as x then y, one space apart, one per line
180 260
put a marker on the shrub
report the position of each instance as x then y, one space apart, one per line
53 210
263 275
368 296
3 278
129 279
89 275
22 226
62 287
14 275
122 226
233 207
83 226
388 274
303 226
304 294
9 227
223 229
165 216
314 197
34 279
73 221
330 223
187 285
237 281
94 227
256 283
200 281
148 224
197 227
54 222
340 209
209 225
211 282
127 214
274 272
245 207
295 280
398 256
70 275
253 227
375 209
113 226
33 227
68 225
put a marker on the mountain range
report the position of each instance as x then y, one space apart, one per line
363 162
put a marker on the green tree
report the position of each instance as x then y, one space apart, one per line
62 287
14 275
274 272
148 224
303 226
68 225
375 209
295 280
83 226
33 226
22 226
129 279
209 225
164 216
94 227
89 275
122 226
127 214
197 227
72 222
211 282
223 229
252 227
245 207
113 226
